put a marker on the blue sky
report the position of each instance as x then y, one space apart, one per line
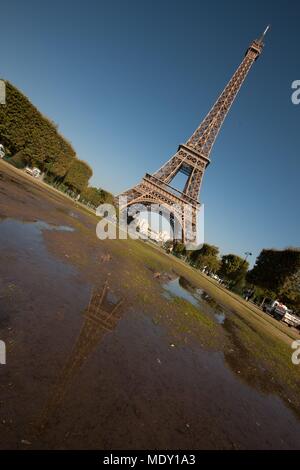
127 81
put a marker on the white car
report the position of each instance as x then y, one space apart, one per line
2 151
291 319
33 171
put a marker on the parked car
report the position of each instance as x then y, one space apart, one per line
2 151
276 309
33 171
291 319
266 303
282 312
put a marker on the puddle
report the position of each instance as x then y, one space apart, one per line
58 228
74 215
25 261
138 383
174 288
16 226
220 317
180 287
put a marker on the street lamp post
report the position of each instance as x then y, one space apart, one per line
247 253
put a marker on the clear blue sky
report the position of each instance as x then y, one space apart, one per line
127 81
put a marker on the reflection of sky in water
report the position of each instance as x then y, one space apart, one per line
174 288
19 236
73 214
196 297
220 317
35 273
58 228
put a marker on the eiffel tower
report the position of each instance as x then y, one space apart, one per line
99 318
191 159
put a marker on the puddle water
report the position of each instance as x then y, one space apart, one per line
74 215
180 287
175 289
220 317
27 266
40 224
133 390
16 227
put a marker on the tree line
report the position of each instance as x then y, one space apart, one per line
276 273
32 139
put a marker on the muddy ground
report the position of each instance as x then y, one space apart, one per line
179 364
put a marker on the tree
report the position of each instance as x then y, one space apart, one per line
207 256
78 175
290 292
274 269
168 245
179 249
96 196
60 165
233 268
260 294
31 138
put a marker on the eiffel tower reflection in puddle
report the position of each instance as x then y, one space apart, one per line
100 317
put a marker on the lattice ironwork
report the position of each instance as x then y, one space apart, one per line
193 157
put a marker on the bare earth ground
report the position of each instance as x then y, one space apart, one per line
188 364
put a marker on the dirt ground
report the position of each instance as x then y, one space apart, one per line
180 363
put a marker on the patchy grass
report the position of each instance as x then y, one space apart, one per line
185 322
262 360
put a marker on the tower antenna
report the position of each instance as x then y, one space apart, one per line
264 33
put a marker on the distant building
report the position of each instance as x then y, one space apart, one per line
145 229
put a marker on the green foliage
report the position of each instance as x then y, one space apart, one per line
59 167
18 160
207 256
28 136
290 291
179 249
78 175
96 196
233 268
261 294
274 269
168 245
